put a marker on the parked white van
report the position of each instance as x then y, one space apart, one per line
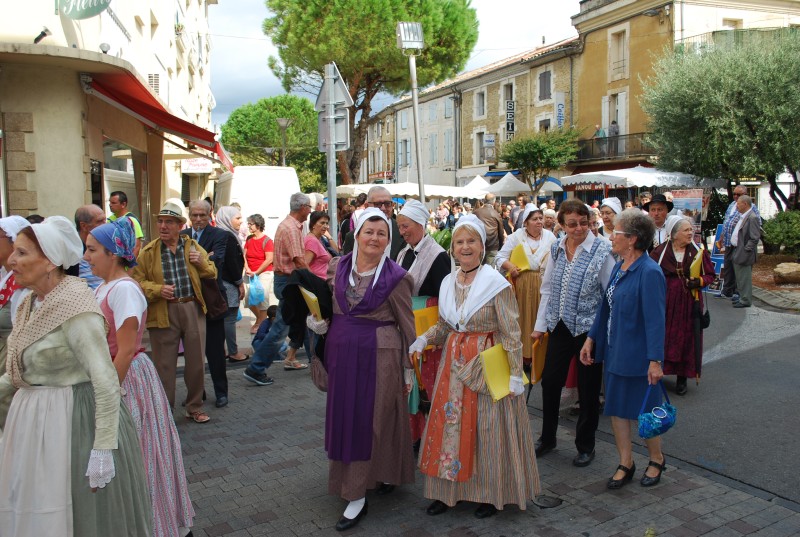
259 189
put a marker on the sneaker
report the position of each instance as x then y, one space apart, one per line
258 378
722 295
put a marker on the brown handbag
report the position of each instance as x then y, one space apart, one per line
319 375
216 304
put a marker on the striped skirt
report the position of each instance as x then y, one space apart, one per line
504 467
144 396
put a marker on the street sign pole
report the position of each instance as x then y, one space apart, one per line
412 67
330 111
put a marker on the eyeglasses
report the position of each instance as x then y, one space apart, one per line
379 204
618 232
736 194
307 205
573 225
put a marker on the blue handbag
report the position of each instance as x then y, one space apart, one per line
658 420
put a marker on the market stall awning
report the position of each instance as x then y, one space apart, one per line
638 176
125 92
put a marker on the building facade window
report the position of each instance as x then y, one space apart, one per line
433 112
449 148
544 125
618 52
478 153
479 101
545 85
433 149
448 108
404 119
404 152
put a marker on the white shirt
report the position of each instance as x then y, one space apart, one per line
126 300
735 233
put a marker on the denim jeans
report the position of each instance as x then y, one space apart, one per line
230 330
267 351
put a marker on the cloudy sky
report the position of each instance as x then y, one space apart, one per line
240 75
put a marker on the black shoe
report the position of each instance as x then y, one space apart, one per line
384 489
680 386
260 379
416 447
485 510
436 508
583 459
615 484
222 401
740 305
648 481
543 449
345 523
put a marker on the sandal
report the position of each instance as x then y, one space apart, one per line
293 365
233 357
198 417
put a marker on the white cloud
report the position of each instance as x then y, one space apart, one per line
240 75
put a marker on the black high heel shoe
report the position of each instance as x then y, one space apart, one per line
648 481
614 484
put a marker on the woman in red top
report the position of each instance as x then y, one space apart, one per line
258 253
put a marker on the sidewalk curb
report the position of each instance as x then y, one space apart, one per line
785 300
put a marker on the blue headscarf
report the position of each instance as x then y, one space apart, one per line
119 238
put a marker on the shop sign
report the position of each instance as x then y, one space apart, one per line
381 175
82 9
560 109
511 110
196 165
583 187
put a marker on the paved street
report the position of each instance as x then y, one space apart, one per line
259 468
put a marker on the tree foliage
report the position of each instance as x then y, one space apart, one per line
536 154
730 111
359 35
253 136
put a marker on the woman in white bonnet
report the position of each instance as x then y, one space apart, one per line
70 462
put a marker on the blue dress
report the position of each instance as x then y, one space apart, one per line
629 332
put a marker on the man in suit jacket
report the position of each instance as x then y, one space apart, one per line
744 241
213 241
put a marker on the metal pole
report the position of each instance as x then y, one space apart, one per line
330 150
412 66
283 148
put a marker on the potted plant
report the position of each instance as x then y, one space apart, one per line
178 28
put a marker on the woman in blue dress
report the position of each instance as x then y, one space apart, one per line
631 317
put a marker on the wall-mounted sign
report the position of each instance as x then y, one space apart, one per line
561 109
488 140
82 9
196 165
511 110
388 174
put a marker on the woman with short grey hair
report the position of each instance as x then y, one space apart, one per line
636 224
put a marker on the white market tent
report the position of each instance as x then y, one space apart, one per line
638 176
508 186
478 183
352 190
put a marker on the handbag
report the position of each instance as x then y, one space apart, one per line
705 317
216 304
255 296
319 375
658 420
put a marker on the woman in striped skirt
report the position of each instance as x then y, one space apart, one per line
475 449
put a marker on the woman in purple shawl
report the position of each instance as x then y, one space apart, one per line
367 436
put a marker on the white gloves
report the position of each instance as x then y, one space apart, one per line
101 468
318 326
516 386
409 376
418 346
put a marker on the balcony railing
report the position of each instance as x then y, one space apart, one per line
614 147
732 38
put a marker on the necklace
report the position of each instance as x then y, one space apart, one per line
566 247
532 237
470 270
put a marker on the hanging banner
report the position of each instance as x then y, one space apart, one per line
561 109
83 9
689 203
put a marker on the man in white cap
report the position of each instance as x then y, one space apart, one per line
169 270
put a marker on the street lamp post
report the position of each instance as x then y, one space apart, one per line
283 123
411 41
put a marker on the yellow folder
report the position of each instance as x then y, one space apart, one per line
311 301
425 318
497 372
519 258
696 270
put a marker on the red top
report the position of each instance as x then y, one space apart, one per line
256 250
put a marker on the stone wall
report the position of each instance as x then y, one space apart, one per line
20 163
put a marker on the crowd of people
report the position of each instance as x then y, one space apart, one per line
554 288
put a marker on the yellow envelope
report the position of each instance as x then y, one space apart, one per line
519 258
311 301
696 270
424 318
497 372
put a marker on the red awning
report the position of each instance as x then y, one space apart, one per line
124 91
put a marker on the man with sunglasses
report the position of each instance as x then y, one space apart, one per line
380 198
732 216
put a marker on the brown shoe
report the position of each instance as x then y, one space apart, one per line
198 417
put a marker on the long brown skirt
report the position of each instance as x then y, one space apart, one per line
526 289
